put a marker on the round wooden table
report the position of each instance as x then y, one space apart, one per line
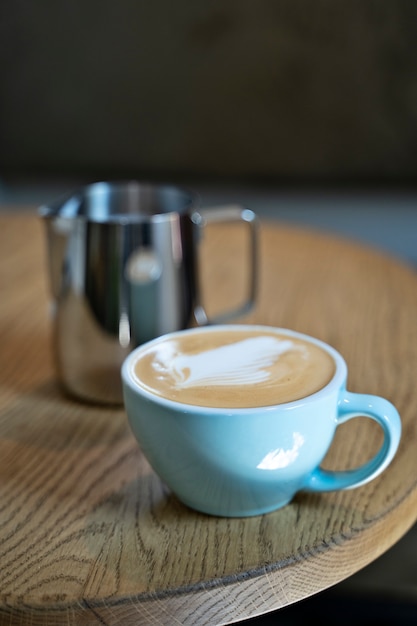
89 535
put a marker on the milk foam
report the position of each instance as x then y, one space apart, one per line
242 363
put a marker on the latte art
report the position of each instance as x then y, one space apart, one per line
233 369
245 362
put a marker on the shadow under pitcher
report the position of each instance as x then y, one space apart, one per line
123 269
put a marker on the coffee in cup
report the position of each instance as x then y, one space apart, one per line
225 368
236 419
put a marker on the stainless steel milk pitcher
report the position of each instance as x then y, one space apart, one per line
123 268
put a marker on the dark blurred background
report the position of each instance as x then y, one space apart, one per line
303 110
272 91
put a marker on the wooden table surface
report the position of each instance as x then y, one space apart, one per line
89 535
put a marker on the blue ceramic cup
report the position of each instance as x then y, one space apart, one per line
201 404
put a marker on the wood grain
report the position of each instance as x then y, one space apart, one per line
89 535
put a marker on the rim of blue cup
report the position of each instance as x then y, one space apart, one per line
129 379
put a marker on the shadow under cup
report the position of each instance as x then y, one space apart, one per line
249 461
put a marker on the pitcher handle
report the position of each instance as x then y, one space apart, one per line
228 214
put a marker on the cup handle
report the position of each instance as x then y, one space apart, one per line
353 405
233 213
